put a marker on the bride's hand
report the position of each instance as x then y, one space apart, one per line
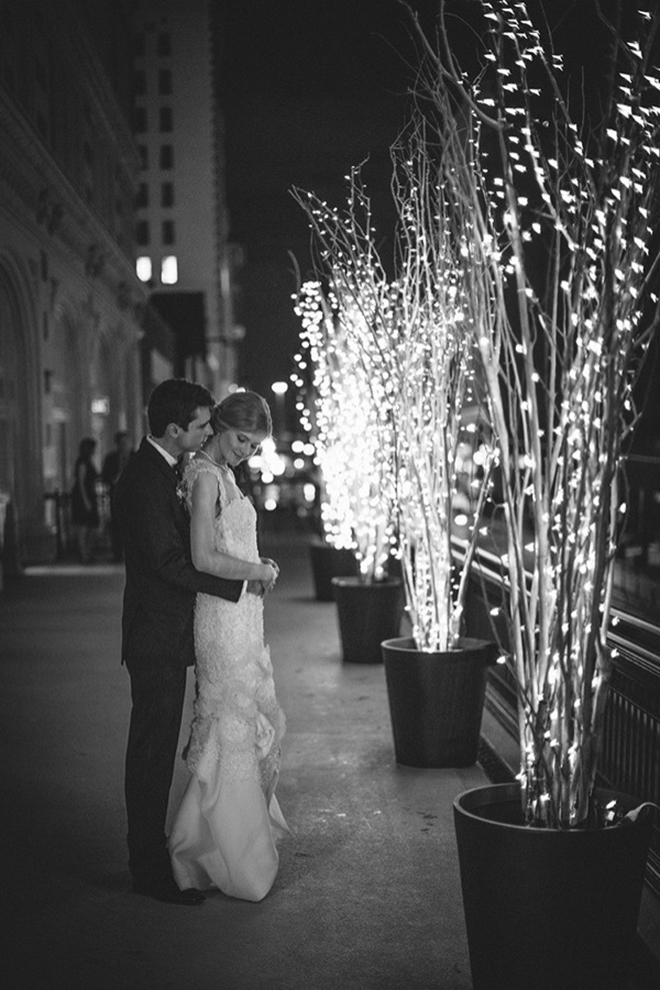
269 560
269 575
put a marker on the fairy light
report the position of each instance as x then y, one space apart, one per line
355 509
415 343
582 395
561 430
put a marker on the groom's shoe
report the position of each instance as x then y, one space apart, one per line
167 890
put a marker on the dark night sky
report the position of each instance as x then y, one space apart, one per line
310 88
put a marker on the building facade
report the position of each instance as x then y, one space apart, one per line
70 304
184 256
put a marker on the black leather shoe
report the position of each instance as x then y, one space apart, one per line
168 892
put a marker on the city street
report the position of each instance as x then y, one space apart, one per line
368 894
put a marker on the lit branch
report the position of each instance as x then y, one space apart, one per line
412 343
553 224
352 447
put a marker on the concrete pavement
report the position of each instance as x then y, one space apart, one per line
368 893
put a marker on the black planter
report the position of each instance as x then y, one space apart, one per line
367 614
436 701
328 562
546 908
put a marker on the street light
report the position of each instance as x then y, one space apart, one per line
279 390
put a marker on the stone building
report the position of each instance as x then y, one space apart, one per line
70 303
183 251
110 132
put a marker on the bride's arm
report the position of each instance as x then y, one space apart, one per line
204 556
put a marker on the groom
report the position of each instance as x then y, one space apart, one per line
157 621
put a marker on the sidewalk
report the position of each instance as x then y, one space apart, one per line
368 894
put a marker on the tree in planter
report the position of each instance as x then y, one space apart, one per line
414 346
357 509
553 218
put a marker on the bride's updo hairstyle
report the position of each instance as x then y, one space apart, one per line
242 411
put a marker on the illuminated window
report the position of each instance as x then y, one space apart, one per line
143 269
169 270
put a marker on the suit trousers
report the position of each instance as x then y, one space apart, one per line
157 695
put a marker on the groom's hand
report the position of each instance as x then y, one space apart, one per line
255 588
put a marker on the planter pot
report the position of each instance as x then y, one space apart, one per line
546 908
436 701
367 614
328 562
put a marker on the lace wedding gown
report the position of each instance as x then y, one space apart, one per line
225 830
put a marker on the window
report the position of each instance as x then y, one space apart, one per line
166 118
166 156
169 270
168 231
142 197
167 194
143 268
143 152
142 232
140 120
164 43
164 82
139 83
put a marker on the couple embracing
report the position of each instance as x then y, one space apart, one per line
194 594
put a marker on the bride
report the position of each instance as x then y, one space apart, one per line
225 831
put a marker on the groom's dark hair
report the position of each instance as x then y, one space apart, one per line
176 401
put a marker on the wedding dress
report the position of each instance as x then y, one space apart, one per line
225 831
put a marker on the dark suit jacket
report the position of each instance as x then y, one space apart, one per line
161 582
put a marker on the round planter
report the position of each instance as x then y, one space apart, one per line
328 562
547 908
436 701
367 614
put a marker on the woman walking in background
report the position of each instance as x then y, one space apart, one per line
84 506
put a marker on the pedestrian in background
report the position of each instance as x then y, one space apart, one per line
113 465
84 504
